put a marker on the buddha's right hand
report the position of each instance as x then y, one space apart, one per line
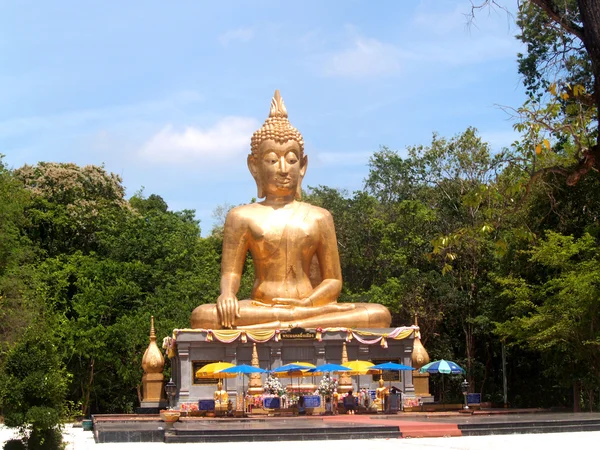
228 309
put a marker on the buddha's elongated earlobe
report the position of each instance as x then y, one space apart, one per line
304 163
255 174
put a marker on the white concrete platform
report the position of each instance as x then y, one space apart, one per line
77 439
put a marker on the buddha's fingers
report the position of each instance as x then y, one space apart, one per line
228 309
261 304
339 307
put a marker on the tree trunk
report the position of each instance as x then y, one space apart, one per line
87 390
576 396
590 17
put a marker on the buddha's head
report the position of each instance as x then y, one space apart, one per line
277 161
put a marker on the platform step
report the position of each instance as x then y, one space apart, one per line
528 428
172 438
182 435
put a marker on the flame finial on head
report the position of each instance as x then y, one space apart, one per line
277 106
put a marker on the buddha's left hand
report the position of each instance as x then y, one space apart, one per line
284 302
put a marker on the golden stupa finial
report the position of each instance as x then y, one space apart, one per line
344 382
152 332
153 360
255 386
277 106
419 356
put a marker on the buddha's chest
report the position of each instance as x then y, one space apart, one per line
283 231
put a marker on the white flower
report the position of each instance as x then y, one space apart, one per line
328 385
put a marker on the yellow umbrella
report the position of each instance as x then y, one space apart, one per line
359 368
212 370
294 370
305 364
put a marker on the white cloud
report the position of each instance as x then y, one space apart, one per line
83 117
439 37
237 35
228 138
366 58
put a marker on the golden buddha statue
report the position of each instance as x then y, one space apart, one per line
381 393
221 396
286 238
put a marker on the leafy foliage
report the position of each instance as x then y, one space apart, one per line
33 384
558 314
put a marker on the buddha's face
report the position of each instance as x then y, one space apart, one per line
278 168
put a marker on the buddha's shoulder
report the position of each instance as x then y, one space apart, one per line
252 210
239 212
316 212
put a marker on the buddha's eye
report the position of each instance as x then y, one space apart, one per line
291 158
270 158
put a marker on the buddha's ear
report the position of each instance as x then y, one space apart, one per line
303 165
253 166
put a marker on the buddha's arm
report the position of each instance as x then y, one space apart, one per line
235 247
329 289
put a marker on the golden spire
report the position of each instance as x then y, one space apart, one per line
152 332
153 360
419 356
255 386
277 106
345 382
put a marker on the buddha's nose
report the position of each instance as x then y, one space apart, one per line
283 166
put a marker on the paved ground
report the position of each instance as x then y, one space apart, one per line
82 440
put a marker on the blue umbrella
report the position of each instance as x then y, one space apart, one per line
246 370
392 366
243 368
442 366
329 368
290 368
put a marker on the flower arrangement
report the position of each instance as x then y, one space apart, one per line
254 401
328 385
411 402
189 407
273 386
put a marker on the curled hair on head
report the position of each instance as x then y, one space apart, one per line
277 127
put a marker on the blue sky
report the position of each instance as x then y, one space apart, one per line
168 94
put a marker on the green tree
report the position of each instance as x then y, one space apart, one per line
16 254
562 60
33 385
70 204
555 310
460 179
